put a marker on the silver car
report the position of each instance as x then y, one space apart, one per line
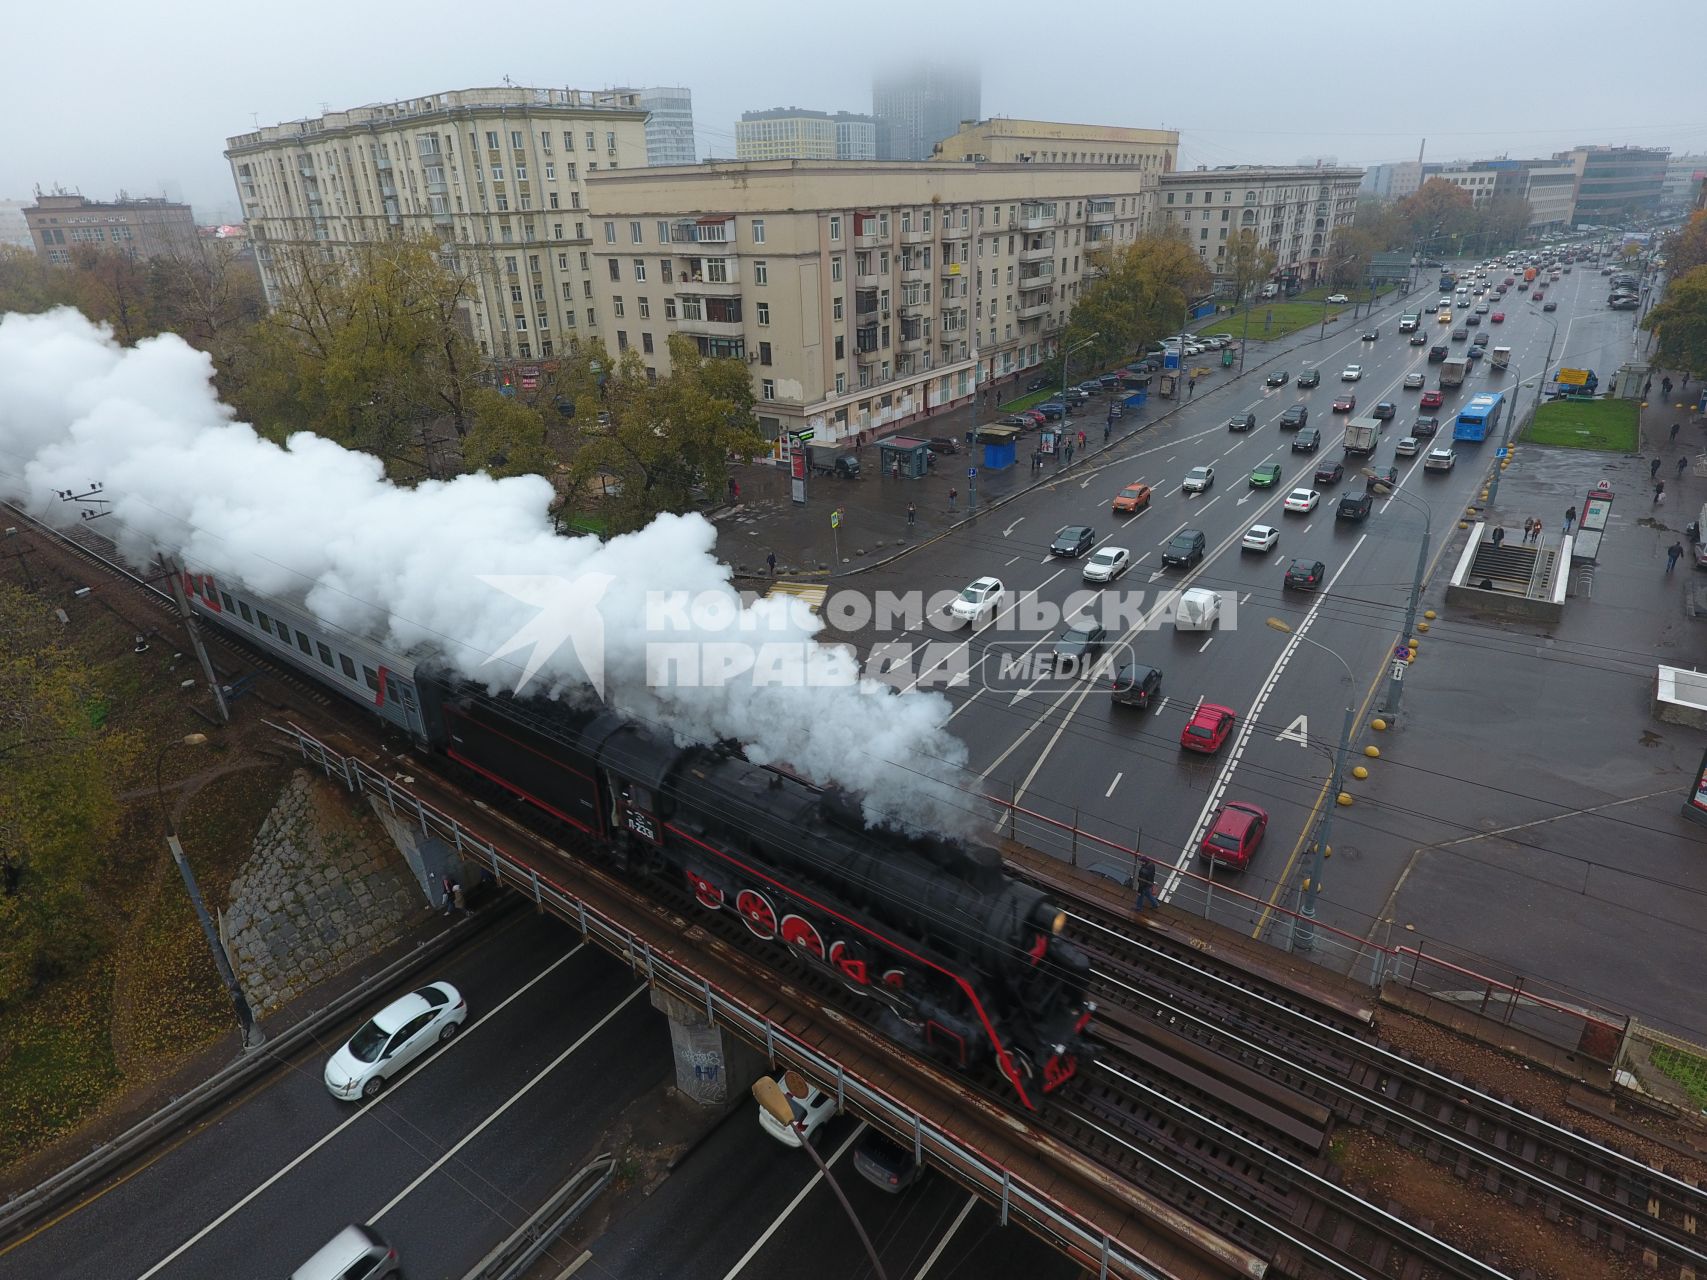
393 1038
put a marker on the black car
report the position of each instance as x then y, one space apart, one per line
1079 644
1353 506
1037 384
1480 340
1549 306
1372 335
1242 422
1388 477
1475 353
1460 334
1185 548
1419 339
1136 685
885 1164
1472 320
1423 428
1279 378
1294 416
1384 410
1305 574
1437 353
1073 541
1310 378
1307 441
1330 473
943 446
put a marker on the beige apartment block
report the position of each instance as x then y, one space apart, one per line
1004 141
140 229
863 295
1294 211
499 175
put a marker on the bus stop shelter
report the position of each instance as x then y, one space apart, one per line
904 457
1000 446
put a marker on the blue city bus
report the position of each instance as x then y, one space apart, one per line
1447 280
1480 416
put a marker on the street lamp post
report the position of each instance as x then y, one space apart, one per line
1304 936
253 1036
770 1096
1395 675
1066 353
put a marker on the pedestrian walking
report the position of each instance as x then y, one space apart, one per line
460 902
1673 554
1665 385
1681 464
1659 492
450 889
1107 427
770 563
1528 529
952 495
1653 468
1647 387
1069 453
1081 439
1499 537
1147 885
1570 519
1674 427
912 515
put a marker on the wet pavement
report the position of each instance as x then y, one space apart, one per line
874 527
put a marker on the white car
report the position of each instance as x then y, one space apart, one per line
1260 537
978 602
1337 298
1198 479
1407 448
393 1038
1352 373
1107 564
1301 500
1440 460
1413 381
812 1109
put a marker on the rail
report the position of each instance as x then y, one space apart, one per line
1015 1199
1562 1019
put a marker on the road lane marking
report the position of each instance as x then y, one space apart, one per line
813 1181
948 1235
1113 785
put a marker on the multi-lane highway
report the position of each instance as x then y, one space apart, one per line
1062 749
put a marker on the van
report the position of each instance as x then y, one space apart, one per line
1270 290
355 1253
1197 610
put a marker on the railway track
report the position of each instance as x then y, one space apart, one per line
1605 1195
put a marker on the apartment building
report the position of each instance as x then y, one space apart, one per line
499 175
1295 212
863 295
139 229
1007 141
795 133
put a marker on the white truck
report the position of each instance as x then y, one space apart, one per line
1361 435
1500 358
1452 371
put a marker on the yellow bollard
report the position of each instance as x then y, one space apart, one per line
1345 799
1372 751
1429 614
1377 724
1360 773
1422 626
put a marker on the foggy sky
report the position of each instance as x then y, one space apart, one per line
115 95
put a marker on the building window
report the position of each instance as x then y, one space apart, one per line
1170 197
835 227
610 141
592 141
765 352
622 339
646 343
764 313
669 308
835 268
835 310
616 308
841 348
758 230
645 308
762 272
767 389
610 233
663 232
640 268
592 318
841 384
615 268
634 236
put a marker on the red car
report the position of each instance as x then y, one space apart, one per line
1344 404
1207 729
1037 416
1430 400
1510 280
1536 296
1497 318
1234 834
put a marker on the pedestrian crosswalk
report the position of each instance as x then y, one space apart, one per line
812 594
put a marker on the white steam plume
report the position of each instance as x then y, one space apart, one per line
314 523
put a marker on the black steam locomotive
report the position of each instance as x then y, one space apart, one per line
950 955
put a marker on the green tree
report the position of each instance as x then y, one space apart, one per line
60 770
639 447
29 285
1248 262
1680 321
506 438
1141 296
1686 248
361 349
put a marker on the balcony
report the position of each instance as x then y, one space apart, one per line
1043 253
1035 311
915 273
1032 220
918 342
1043 276
1100 211
712 328
870 239
917 235
697 286
955 231
866 279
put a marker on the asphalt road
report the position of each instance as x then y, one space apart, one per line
444 1163
744 1206
1065 752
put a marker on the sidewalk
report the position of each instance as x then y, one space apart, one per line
874 526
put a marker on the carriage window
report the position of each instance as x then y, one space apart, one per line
325 653
244 610
302 643
348 666
372 678
226 601
266 622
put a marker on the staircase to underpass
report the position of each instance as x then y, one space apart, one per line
1523 570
